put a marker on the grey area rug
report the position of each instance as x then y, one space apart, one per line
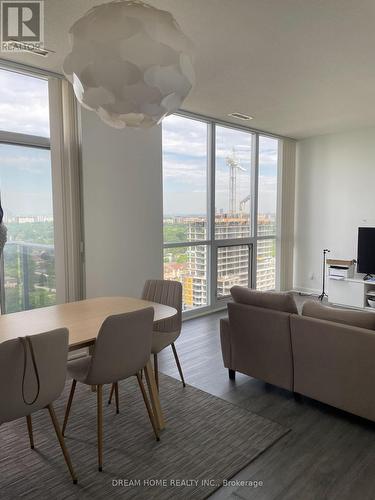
206 440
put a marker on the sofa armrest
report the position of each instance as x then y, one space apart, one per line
260 344
335 363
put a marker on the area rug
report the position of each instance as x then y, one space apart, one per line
206 440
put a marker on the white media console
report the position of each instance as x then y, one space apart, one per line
352 292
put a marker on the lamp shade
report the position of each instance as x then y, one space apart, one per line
130 63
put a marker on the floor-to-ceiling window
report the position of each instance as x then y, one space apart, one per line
220 185
28 265
186 210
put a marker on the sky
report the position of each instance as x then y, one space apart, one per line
23 104
25 180
185 167
25 173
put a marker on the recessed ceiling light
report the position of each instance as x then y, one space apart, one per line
240 116
29 47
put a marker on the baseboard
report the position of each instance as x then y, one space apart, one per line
202 312
308 291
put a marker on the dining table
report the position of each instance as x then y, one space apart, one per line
83 319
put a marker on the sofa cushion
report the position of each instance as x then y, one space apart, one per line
278 301
361 319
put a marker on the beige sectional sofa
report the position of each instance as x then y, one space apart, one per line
324 353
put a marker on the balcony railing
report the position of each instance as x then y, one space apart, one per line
27 276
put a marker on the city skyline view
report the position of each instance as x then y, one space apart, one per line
28 274
187 167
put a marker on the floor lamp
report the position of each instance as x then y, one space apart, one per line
323 294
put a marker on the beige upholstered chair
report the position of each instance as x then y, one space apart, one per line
122 349
166 331
32 376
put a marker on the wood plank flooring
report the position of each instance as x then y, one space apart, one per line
328 454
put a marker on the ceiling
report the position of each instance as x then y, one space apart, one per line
299 67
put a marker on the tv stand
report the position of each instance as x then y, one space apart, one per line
368 277
351 292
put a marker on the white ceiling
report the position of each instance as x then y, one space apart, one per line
299 67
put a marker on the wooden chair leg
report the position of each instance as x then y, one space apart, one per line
99 392
91 353
60 437
154 396
69 405
30 431
156 370
178 364
117 398
148 407
111 393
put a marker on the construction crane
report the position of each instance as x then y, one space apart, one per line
234 166
243 202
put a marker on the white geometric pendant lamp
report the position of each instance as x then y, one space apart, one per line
130 63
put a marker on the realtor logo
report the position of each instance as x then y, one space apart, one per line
21 25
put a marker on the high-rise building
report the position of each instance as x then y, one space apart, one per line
232 261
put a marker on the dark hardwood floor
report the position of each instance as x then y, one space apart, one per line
328 454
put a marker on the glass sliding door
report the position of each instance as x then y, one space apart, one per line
28 266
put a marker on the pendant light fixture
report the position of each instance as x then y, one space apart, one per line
130 63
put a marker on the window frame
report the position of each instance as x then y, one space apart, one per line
64 145
21 140
213 244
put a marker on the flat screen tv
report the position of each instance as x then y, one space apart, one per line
366 250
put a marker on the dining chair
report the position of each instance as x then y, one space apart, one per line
32 377
165 332
122 350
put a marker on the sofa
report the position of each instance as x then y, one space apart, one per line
325 353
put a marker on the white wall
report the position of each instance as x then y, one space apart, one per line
286 201
122 206
335 185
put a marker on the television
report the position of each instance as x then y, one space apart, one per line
366 250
